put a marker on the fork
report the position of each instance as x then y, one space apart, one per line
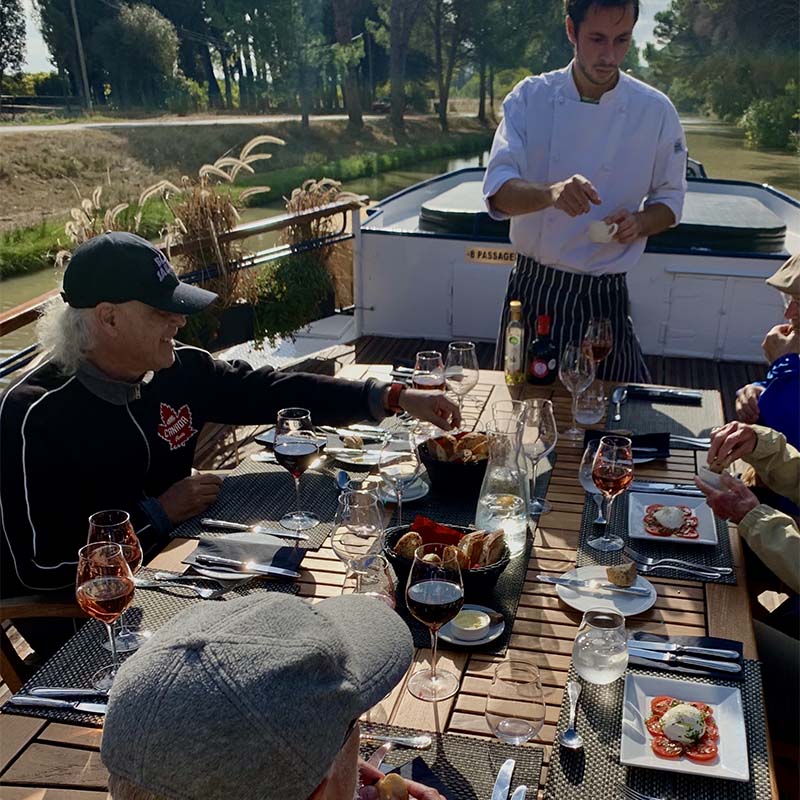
649 561
633 794
168 577
694 572
198 591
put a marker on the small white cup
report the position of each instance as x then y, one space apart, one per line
602 232
710 477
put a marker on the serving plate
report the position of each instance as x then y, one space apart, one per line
637 506
731 762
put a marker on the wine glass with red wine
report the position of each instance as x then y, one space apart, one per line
115 526
612 473
434 595
104 589
296 449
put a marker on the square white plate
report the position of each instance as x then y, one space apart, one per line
637 507
731 762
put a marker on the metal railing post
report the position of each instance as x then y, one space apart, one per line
358 272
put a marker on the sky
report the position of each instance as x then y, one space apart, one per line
38 61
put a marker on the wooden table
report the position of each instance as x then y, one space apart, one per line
50 761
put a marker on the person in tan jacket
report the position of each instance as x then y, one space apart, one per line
772 535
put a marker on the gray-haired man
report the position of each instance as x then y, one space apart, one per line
254 698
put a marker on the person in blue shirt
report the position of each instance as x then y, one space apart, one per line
775 401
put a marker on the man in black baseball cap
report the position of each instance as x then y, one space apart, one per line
118 266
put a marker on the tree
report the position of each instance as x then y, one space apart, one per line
403 14
447 23
348 57
12 38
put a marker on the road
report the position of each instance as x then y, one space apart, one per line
178 122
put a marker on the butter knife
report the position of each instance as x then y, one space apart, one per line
503 781
689 661
574 583
247 567
224 524
681 649
66 691
51 702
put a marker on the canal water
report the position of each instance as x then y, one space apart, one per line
720 146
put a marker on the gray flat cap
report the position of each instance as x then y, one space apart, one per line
251 698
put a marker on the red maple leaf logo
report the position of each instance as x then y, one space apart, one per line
176 426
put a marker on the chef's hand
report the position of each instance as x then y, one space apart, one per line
780 341
370 775
747 403
733 502
574 196
630 226
730 442
190 496
432 407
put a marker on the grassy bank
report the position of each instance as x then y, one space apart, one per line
41 176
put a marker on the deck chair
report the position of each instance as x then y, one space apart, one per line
13 669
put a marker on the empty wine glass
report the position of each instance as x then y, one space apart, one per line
600 651
461 369
590 404
434 595
357 529
399 466
115 526
374 578
502 409
296 448
576 372
539 437
612 473
104 589
515 702
587 482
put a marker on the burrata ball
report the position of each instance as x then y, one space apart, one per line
683 723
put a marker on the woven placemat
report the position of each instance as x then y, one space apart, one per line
702 555
255 492
83 654
596 772
644 416
467 765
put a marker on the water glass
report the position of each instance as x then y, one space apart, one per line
600 652
576 372
375 578
515 703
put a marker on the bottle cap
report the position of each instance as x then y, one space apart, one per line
515 307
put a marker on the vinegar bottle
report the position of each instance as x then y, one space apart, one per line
515 345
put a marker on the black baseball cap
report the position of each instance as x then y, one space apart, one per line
118 266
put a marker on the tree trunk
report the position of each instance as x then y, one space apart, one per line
437 22
226 70
214 94
305 95
482 88
399 34
244 89
251 78
343 11
491 91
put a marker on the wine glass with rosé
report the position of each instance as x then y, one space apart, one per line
104 589
612 473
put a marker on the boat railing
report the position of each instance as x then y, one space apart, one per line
28 312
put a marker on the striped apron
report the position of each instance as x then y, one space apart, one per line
571 299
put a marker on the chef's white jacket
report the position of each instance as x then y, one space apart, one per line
630 145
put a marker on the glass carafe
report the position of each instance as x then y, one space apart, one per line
503 502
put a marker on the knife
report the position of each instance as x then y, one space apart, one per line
669 393
666 488
52 702
680 649
574 583
66 691
503 781
239 526
247 567
671 658
519 793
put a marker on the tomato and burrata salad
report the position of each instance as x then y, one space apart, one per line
682 729
661 520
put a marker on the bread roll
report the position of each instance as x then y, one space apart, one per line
476 443
492 550
471 545
622 574
432 558
354 441
392 787
407 544
459 555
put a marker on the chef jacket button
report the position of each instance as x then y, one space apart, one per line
561 100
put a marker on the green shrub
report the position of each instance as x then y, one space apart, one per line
772 124
185 95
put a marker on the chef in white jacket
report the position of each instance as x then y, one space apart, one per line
586 144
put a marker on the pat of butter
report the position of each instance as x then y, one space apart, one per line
471 620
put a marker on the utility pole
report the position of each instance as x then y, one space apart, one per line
80 57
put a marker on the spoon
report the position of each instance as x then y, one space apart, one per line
342 479
618 397
570 737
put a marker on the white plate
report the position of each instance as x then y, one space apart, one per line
583 599
446 631
369 458
637 505
731 762
223 575
416 491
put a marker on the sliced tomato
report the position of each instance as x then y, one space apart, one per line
712 732
705 709
654 725
665 748
656 530
688 533
661 704
702 751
